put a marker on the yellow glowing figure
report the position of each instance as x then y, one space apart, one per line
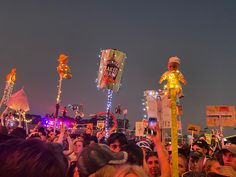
11 77
173 88
173 76
63 69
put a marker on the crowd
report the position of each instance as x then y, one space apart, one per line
70 153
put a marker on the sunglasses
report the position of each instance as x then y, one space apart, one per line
114 146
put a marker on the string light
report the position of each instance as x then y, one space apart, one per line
22 114
108 108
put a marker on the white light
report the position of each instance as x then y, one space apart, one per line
108 108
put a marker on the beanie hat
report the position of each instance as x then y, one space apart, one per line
96 156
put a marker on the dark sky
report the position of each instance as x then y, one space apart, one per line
201 33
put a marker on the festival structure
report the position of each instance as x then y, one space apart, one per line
173 89
10 81
109 76
19 103
64 73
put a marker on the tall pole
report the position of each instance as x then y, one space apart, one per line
174 134
58 103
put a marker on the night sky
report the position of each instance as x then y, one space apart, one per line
200 33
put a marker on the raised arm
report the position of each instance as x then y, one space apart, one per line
162 154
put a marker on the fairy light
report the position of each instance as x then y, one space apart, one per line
59 90
108 108
22 114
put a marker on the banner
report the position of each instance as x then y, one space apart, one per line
165 112
151 102
139 129
195 128
220 116
110 70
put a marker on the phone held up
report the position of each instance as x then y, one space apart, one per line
152 123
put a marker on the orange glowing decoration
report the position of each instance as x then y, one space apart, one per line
173 76
64 72
11 77
63 69
10 81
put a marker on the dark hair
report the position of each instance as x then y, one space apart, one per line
3 130
93 138
135 154
31 158
117 136
150 154
18 133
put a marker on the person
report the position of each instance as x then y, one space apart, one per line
196 169
161 160
182 164
153 164
212 165
224 171
135 154
106 171
96 156
201 146
130 171
31 158
78 145
93 139
116 140
146 148
229 155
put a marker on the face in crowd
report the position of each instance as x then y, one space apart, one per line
115 146
182 164
199 149
229 159
196 162
78 147
212 165
116 141
153 166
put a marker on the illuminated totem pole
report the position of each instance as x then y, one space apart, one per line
10 81
64 73
109 77
173 89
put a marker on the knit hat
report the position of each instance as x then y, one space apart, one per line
96 156
144 144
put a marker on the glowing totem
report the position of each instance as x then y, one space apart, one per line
173 89
109 76
10 81
64 73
